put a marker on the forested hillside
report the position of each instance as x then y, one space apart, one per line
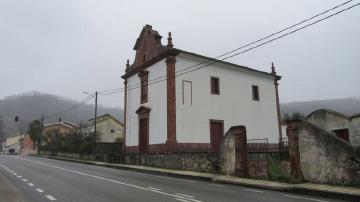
33 105
348 106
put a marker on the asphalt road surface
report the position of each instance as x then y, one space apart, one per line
41 179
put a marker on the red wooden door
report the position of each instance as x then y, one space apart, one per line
216 133
143 135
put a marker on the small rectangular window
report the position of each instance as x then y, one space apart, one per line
144 86
255 93
215 86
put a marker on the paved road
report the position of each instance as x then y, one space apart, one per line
42 179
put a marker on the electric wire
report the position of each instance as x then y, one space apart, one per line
107 92
214 61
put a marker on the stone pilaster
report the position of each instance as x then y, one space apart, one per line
171 104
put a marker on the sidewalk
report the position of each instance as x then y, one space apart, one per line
331 191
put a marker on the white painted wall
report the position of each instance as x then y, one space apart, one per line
234 105
157 103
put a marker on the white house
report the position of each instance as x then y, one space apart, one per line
174 104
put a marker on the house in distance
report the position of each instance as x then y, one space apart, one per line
176 100
108 129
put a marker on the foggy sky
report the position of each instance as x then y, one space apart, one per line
69 46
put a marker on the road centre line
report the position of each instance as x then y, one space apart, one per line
51 198
182 200
30 184
154 188
107 179
253 190
310 199
217 185
39 190
144 174
158 176
183 195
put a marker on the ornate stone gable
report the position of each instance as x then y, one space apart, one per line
147 46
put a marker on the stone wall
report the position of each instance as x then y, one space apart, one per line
328 120
227 154
233 152
331 120
192 161
258 168
325 158
70 155
235 159
355 131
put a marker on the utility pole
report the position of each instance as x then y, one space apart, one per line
21 140
96 95
40 135
4 149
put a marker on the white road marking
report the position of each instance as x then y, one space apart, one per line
31 184
154 188
51 198
253 190
183 195
39 190
158 176
14 173
218 185
25 180
19 176
310 199
186 180
182 200
107 179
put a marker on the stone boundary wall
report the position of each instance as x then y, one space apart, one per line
70 155
191 161
258 168
325 158
227 154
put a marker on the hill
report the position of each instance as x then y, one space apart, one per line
33 105
30 106
348 106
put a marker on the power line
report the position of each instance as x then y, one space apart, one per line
107 92
156 80
83 101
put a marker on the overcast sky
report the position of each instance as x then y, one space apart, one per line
69 46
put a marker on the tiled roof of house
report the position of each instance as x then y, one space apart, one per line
104 117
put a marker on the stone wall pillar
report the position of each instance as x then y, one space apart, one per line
240 152
294 153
